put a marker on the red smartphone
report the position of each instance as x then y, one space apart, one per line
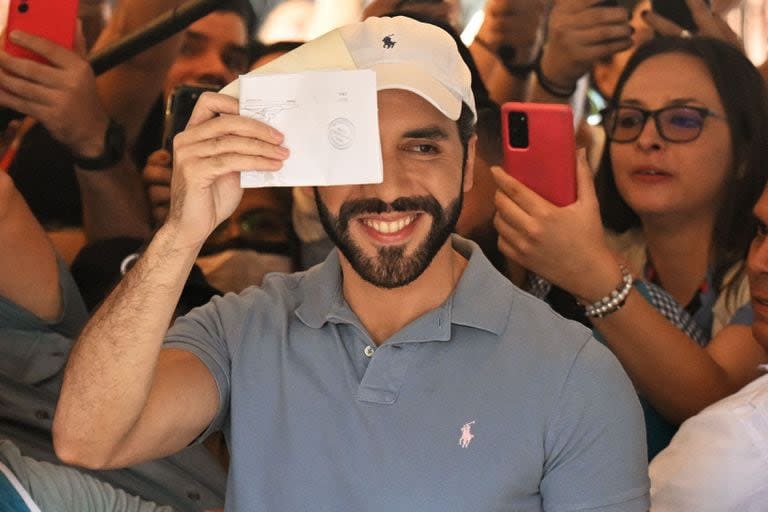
55 20
540 149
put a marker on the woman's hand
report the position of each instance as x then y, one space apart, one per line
565 245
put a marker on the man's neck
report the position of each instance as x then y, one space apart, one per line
384 311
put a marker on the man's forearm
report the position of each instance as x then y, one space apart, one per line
112 366
129 90
502 86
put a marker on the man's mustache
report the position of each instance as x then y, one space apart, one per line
374 206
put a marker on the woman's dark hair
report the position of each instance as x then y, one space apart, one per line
745 100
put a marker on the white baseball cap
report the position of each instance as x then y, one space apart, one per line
405 54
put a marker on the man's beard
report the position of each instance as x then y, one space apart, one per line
391 268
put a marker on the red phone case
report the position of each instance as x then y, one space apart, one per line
548 164
55 20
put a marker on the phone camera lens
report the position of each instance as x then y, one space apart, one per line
518 129
24 7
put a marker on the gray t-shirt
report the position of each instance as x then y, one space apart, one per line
64 489
488 402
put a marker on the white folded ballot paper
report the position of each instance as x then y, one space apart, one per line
330 123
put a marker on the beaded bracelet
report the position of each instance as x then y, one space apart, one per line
614 301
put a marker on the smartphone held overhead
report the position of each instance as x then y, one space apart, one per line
539 149
55 20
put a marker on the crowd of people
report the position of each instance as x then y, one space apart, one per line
446 339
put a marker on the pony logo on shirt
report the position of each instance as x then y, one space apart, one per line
466 434
389 43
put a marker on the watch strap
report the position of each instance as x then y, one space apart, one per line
114 150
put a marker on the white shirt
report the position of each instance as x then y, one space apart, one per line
718 460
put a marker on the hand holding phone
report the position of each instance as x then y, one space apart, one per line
676 11
539 149
55 20
178 109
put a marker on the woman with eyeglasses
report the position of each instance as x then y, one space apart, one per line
654 252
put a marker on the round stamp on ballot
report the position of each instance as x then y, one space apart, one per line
341 133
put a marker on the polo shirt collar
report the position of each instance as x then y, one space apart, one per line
481 299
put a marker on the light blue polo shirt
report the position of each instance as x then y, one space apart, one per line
490 402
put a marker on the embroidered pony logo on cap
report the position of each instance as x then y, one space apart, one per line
389 43
466 434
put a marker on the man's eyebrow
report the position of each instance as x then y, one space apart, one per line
430 132
191 34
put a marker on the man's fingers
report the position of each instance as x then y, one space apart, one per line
235 144
607 15
13 102
28 91
58 56
225 126
572 6
661 24
160 213
605 49
204 125
221 164
603 34
156 175
159 195
210 105
160 157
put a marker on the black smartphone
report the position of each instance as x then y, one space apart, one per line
178 109
676 11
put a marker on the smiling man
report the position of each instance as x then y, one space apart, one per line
403 373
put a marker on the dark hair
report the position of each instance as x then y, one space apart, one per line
745 100
242 8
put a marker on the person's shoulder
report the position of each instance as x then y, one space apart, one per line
534 322
563 348
749 401
719 458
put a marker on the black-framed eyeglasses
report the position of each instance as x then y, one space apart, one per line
681 123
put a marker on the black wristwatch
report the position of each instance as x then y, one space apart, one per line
114 149
507 56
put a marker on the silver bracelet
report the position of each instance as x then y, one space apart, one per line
614 301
